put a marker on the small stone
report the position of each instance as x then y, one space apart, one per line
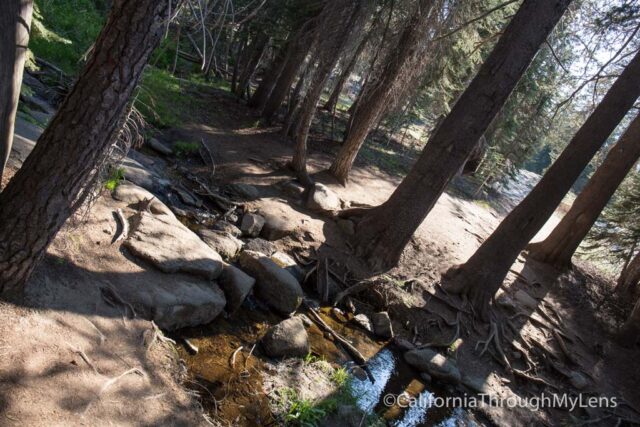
251 224
347 226
260 245
363 321
382 325
274 285
433 363
283 260
322 199
287 339
236 285
227 228
276 228
223 243
159 147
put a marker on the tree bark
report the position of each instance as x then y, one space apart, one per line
558 248
257 49
629 333
403 61
385 230
481 276
269 80
629 280
15 24
58 175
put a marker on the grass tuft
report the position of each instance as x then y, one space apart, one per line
114 179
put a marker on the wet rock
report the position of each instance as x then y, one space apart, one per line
402 344
433 363
276 228
227 228
363 321
132 194
287 339
251 224
236 285
322 199
525 299
382 325
223 243
246 191
159 147
172 247
578 380
177 303
274 285
260 245
347 226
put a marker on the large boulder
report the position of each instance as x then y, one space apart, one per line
287 339
323 199
251 224
132 194
177 303
274 285
434 364
236 285
223 243
172 247
275 228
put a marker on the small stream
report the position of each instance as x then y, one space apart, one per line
235 393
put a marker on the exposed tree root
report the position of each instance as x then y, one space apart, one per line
449 343
110 382
357 288
124 224
494 336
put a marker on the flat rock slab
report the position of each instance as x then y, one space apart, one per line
274 285
172 247
177 303
132 194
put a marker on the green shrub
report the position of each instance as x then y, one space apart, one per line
114 179
185 149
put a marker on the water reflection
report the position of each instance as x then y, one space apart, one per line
368 393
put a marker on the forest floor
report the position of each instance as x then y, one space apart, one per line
71 358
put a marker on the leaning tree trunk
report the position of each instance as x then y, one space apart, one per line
481 276
558 248
269 80
56 178
629 280
257 49
385 230
295 56
15 23
400 64
629 333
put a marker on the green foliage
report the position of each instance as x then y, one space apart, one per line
114 179
185 149
63 31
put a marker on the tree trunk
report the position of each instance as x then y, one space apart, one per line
481 276
338 31
629 279
558 248
257 49
400 64
15 24
262 93
241 58
296 53
58 175
385 230
629 333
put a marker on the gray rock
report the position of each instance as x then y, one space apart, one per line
382 325
274 285
425 377
159 147
172 247
187 197
404 345
260 245
433 363
578 380
347 226
132 194
246 191
363 321
322 199
276 228
236 285
176 303
224 243
227 228
287 339
251 224
135 172
525 299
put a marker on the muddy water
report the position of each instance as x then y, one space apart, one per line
231 388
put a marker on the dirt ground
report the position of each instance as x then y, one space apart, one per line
69 358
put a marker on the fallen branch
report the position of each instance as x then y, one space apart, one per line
110 382
86 359
125 226
353 352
